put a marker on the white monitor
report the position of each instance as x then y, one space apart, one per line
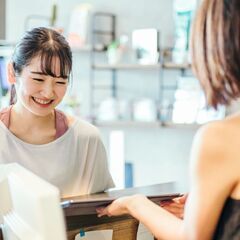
29 206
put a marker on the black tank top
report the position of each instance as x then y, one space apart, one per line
228 227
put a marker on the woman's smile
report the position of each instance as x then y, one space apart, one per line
43 102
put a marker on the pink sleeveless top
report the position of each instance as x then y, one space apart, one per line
61 123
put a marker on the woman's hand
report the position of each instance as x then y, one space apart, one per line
120 206
176 206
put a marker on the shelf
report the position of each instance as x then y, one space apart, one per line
139 124
126 66
177 66
167 65
127 124
181 125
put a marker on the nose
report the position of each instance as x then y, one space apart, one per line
47 91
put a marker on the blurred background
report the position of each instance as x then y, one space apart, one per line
132 78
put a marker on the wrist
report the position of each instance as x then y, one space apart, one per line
134 203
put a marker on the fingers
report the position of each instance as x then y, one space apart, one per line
119 206
102 211
182 199
174 207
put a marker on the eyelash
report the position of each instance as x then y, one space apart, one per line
38 79
63 83
41 80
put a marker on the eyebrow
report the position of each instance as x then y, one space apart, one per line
41 73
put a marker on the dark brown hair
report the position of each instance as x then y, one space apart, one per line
46 43
215 48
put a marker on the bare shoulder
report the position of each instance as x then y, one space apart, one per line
225 133
216 146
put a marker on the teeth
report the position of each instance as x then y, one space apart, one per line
38 100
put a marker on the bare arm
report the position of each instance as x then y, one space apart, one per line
150 214
212 180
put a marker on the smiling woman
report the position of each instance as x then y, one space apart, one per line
39 91
63 150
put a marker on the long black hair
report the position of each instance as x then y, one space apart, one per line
49 45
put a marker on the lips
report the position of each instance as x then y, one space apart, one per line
42 102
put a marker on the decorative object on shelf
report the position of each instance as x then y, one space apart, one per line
188 98
116 49
79 27
145 110
112 109
147 48
53 17
108 110
190 104
183 12
114 53
35 20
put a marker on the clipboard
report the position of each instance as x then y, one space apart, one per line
87 204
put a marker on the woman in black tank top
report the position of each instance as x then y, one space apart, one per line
229 223
212 208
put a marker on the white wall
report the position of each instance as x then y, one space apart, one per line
158 154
